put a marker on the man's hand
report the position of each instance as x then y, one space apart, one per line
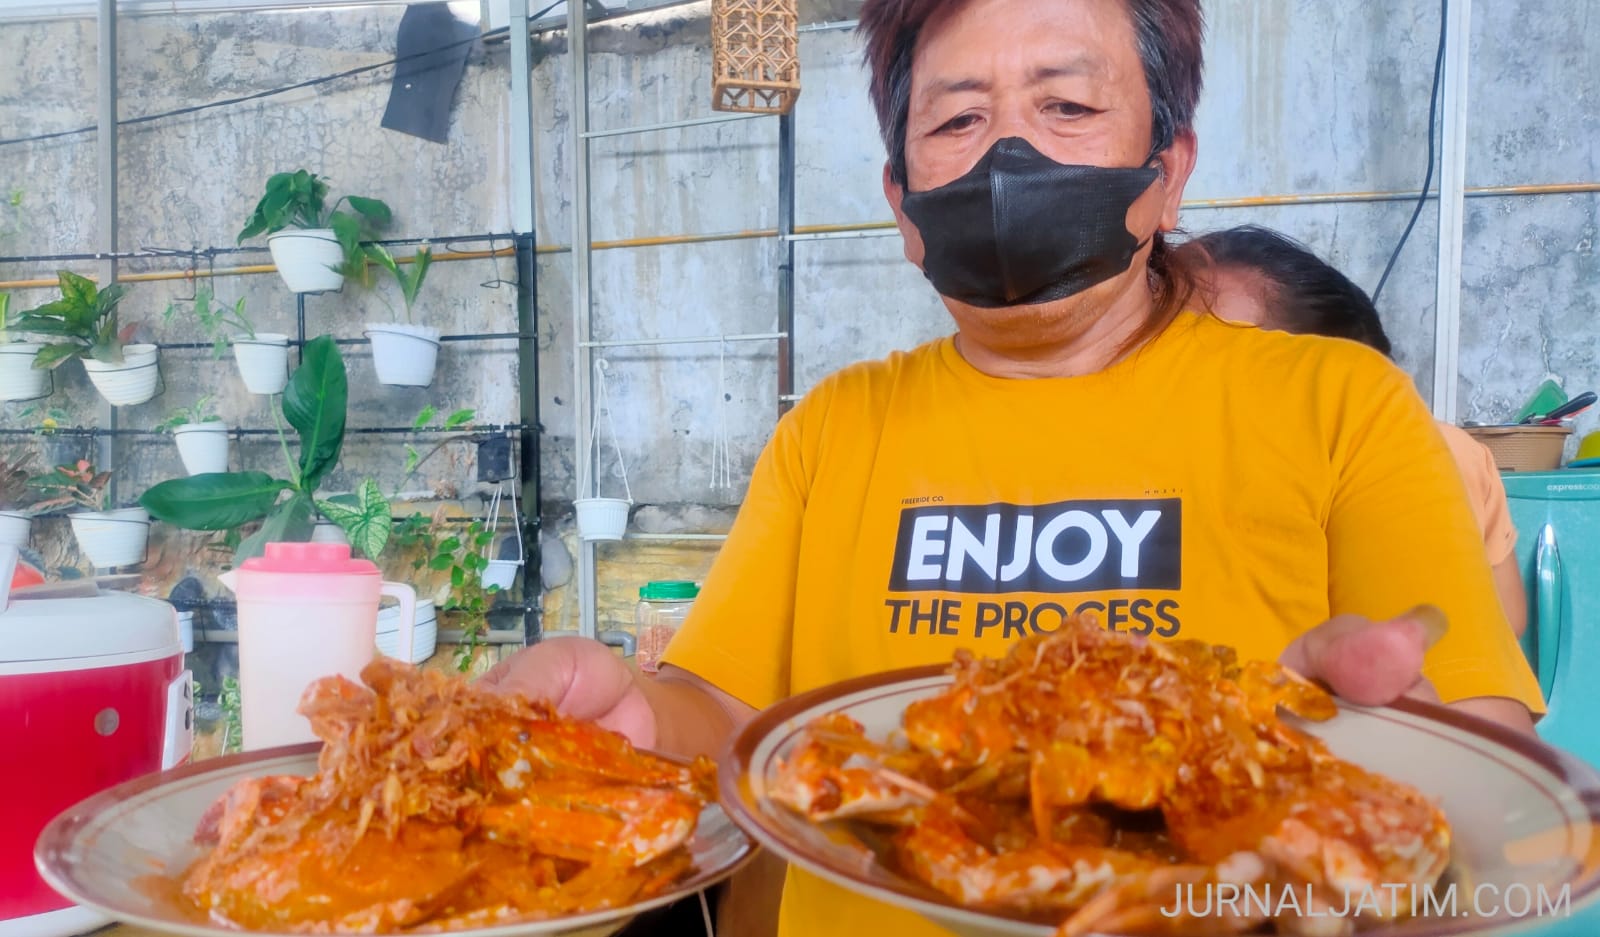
1369 663
581 678
1374 663
674 712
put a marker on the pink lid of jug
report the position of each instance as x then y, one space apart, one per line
333 558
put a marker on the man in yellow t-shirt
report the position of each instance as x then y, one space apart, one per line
1081 443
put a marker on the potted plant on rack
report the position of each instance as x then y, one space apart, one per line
263 357
201 435
109 538
19 379
404 355
313 404
83 324
314 247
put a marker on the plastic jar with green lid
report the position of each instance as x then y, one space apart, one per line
663 605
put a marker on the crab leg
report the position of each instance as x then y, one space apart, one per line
1151 902
1035 877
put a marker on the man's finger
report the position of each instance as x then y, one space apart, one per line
1368 663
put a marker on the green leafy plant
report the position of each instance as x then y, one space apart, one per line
314 405
50 420
220 322
83 322
201 411
299 198
232 703
69 485
410 282
460 558
425 416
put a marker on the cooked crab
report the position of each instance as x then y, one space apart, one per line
439 805
1087 774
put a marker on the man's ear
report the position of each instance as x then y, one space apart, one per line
895 193
1177 164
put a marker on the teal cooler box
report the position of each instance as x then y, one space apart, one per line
1557 516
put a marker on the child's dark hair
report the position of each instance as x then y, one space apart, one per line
1305 293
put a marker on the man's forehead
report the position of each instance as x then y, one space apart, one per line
1070 64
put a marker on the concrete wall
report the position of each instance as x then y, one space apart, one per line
1301 98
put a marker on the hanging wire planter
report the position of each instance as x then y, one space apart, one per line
602 518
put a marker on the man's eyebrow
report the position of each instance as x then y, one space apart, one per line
1081 64
949 86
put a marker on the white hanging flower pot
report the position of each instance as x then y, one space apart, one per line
500 574
186 631
404 355
14 528
112 538
263 362
328 532
308 259
131 382
19 380
203 446
424 634
602 518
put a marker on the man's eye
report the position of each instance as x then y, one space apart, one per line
1068 109
958 123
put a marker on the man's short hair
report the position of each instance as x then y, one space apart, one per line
1170 35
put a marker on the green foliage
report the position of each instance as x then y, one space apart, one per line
455 420
364 517
232 714
314 404
461 558
69 485
49 420
83 322
298 198
201 411
215 501
217 321
410 282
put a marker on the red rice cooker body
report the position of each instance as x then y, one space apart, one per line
92 693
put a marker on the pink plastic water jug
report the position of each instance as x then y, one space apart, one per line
306 611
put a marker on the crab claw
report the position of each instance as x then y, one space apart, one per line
1162 901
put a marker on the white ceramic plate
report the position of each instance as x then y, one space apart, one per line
103 852
1525 816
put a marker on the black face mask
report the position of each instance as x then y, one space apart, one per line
1021 228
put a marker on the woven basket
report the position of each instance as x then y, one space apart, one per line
1523 448
755 55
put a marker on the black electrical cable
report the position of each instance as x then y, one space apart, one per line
308 83
1427 179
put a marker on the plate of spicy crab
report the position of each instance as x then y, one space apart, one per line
1092 782
430 806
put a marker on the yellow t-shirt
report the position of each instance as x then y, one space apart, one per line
1223 483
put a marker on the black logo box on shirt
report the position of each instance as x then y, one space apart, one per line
1064 547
